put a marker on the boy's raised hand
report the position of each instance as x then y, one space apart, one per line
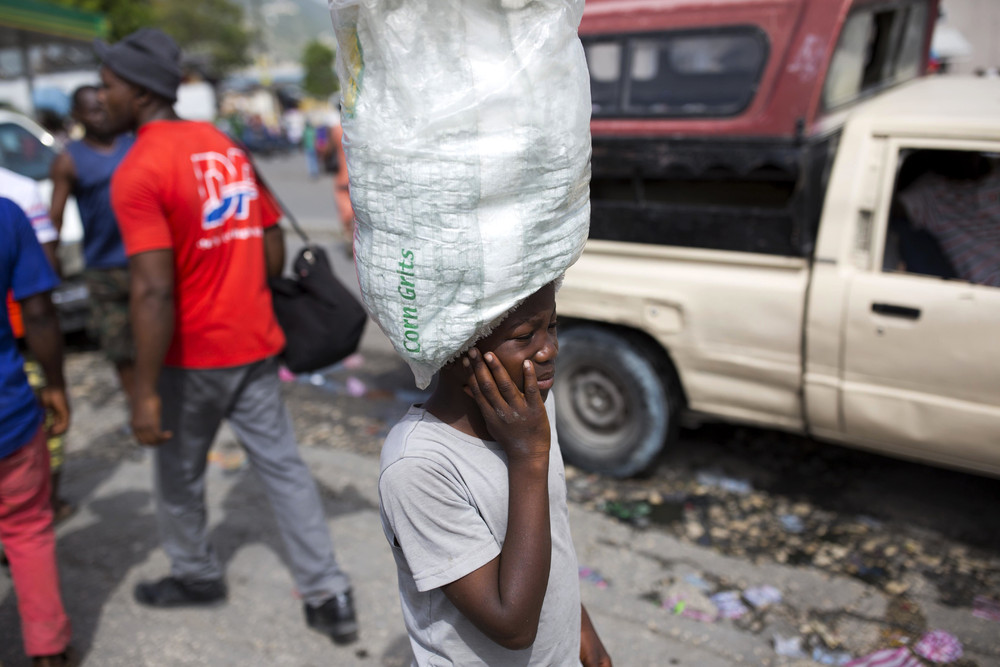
516 420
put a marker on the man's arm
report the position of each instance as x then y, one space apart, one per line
151 307
274 251
504 597
63 174
44 338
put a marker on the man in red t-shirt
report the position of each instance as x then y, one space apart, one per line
202 239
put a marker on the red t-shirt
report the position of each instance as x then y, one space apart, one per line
186 187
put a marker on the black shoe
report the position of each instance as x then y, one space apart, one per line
334 618
171 592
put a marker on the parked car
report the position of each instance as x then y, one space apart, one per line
28 149
747 258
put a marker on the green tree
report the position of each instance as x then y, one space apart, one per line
319 79
124 16
210 32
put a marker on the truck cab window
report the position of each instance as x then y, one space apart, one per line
604 60
878 47
944 218
711 73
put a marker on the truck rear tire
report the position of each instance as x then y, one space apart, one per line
616 401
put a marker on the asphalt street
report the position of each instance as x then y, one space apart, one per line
646 589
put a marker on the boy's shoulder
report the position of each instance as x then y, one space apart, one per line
422 439
416 434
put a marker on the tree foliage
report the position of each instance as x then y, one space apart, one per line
211 33
319 79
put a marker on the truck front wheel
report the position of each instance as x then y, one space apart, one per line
616 401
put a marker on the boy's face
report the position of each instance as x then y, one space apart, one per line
529 332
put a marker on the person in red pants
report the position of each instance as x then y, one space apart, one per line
25 482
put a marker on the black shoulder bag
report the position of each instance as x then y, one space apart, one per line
321 318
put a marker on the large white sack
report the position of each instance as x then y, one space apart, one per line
466 126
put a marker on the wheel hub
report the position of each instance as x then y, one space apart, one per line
598 401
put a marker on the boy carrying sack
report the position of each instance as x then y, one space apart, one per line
466 129
472 497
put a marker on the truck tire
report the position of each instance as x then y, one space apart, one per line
616 401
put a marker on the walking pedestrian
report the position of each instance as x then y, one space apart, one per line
25 482
84 170
25 192
201 240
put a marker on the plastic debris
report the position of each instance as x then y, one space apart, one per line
317 379
890 657
761 597
354 361
789 647
285 375
986 607
678 606
729 604
740 487
825 657
593 576
228 460
636 513
698 582
939 646
356 387
792 523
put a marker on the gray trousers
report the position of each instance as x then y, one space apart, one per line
194 404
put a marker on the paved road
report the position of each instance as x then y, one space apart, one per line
340 418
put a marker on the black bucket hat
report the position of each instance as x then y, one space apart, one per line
147 57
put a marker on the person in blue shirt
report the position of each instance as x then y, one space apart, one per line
25 483
84 170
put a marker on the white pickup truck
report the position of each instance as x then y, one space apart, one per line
884 335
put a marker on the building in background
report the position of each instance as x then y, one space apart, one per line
966 36
45 51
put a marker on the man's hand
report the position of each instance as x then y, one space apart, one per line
517 421
592 651
146 420
55 404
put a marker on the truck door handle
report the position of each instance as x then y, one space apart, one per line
893 310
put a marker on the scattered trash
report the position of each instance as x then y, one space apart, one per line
889 657
592 576
792 523
761 597
636 513
698 582
317 379
939 646
729 604
681 607
228 460
353 361
986 607
789 647
718 481
688 599
825 657
285 375
356 387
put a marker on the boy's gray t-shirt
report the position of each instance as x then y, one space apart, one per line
443 503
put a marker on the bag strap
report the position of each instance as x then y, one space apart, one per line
262 183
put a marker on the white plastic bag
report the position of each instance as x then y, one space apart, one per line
467 134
